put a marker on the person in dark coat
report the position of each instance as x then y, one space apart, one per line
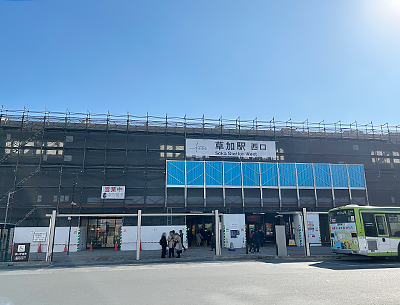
182 240
163 243
257 237
213 243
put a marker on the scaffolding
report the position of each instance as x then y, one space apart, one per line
43 153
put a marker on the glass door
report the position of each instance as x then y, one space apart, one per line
383 241
104 233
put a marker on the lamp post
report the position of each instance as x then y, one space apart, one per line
70 217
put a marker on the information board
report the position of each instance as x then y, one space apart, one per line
39 236
21 252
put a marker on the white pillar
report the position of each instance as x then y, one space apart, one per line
139 228
50 243
217 234
305 224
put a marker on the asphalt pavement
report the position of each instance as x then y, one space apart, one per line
339 281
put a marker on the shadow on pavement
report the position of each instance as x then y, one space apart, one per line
357 263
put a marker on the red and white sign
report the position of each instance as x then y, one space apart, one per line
113 192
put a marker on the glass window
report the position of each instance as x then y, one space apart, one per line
394 224
381 224
342 216
369 224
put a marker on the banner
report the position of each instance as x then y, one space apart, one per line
230 148
113 192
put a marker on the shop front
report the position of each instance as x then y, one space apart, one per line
104 233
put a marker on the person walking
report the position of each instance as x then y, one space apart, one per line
182 239
198 239
251 241
213 243
178 245
255 241
258 238
163 243
171 242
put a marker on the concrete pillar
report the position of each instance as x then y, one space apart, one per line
217 234
305 224
52 230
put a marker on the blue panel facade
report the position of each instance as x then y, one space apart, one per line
339 175
269 174
232 174
322 175
195 173
251 174
305 175
356 175
287 174
214 173
176 173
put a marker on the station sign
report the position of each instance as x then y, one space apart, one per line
230 148
113 192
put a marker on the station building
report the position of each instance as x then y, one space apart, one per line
109 164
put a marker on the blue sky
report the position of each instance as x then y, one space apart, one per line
316 60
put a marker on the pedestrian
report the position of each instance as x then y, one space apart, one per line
163 243
212 241
198 239
204 237
171 244
208 237
182 239
251 241
255 242
261 236
257 238
178 245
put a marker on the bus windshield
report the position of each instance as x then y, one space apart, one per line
341 216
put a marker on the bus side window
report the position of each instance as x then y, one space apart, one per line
381 224
369 224
394 224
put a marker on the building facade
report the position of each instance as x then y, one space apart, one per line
50 159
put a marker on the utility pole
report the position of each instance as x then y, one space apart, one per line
70 217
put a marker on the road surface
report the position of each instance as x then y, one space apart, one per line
216 282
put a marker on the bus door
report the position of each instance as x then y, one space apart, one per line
383 241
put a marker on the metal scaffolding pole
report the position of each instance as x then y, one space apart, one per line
138 239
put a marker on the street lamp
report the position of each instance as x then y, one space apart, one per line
70 217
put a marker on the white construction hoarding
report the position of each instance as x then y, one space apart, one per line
31 234
150 236
233 230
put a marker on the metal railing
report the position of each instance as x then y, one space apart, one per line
26 119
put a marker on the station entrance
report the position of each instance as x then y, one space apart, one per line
199 224
103 232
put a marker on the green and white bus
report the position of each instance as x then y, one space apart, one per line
365 230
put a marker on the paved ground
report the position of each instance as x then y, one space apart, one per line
100 256
214 282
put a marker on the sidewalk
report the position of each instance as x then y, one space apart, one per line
109 256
